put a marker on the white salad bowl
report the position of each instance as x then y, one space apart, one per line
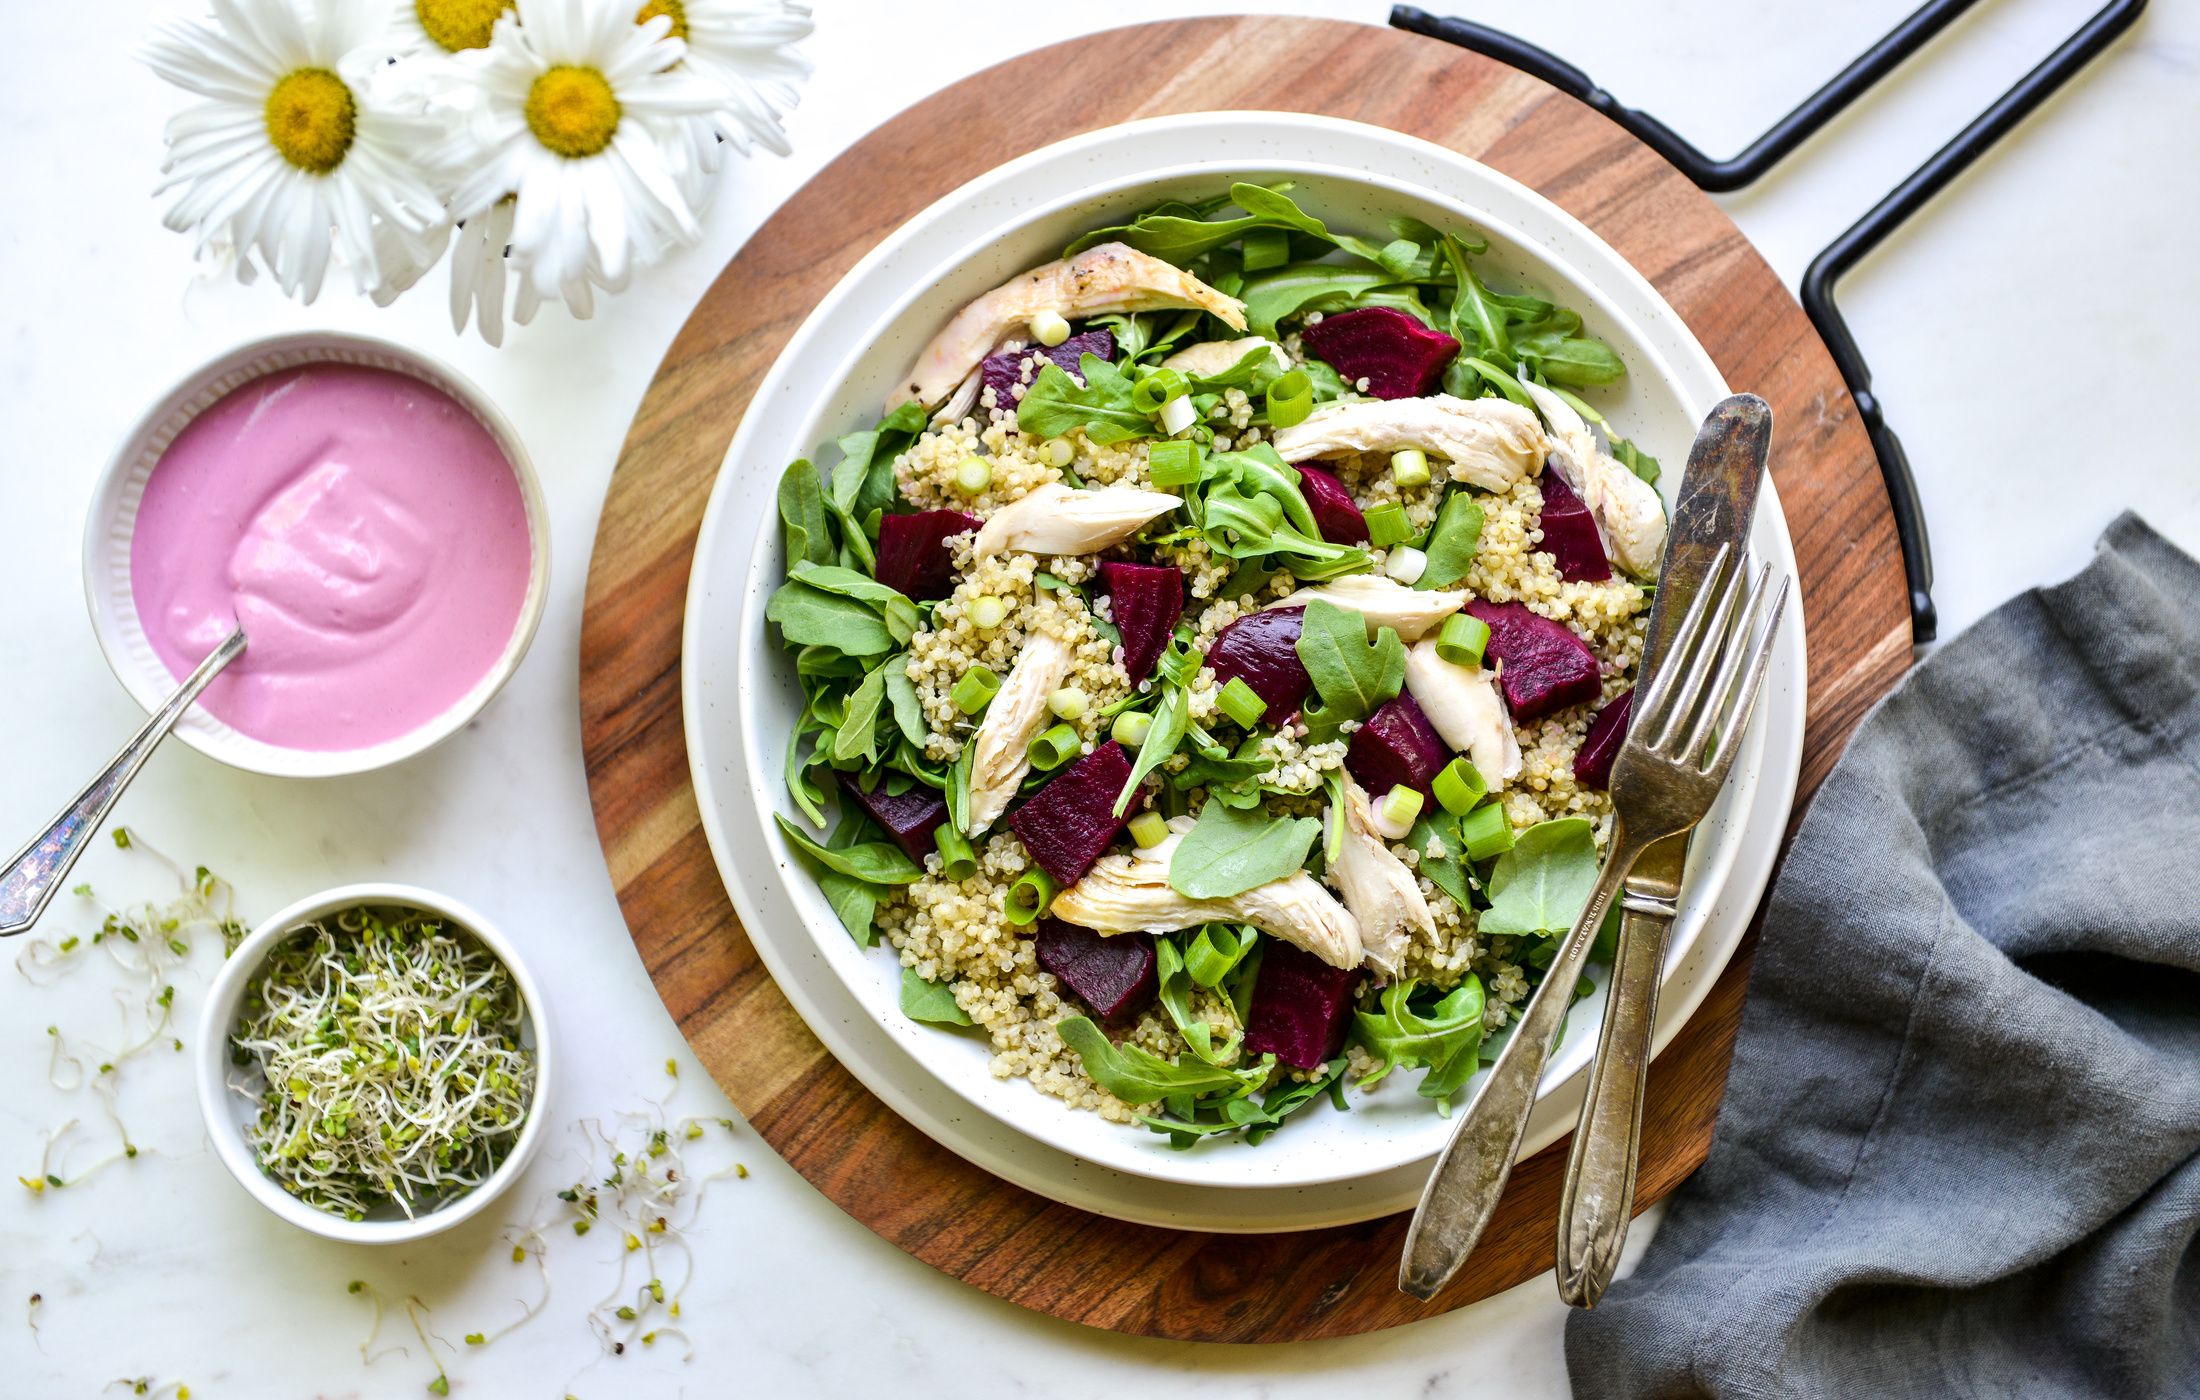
741 698
229 1111
113 516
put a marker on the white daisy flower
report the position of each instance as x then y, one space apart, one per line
746 47
437 27
580 119
294 149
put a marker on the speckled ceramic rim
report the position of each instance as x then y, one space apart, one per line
226 1111
113 516
1312 1175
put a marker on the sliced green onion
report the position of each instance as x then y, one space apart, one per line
1174 463
1406 564
957 861
1055 747
1459 787
973 475
1149 829
1050 328
1387 525
1400 806
1409 466
1240 703
1029 897
1265 248
1290 399
1157 388
1067 703
975 690
1058 453
1130 728
1462 639
1486 832
1177 415
987 613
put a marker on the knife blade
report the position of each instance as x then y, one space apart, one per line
1713 511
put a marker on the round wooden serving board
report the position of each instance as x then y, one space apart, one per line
908 1189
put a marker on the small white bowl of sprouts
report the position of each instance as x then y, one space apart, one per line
372 1062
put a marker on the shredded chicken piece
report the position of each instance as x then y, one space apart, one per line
1012 721
1129 892
1629 513
1106 280
1383 602
1383 895
1055 519
1212 357
1490 443
1467 710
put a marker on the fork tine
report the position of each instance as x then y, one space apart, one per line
1745 700
1736 654
1654 706
1722 593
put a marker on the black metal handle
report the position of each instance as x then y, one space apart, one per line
1827 269
1718 176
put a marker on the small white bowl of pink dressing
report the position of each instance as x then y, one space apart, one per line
365 513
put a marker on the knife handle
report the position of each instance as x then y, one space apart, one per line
1597 1197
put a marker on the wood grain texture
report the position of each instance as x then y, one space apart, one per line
1011 1243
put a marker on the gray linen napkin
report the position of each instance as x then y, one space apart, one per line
1960 1149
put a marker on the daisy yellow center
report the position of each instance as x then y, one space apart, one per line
674 8
460 24
573 111
311 119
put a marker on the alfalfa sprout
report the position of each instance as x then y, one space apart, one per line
384 1048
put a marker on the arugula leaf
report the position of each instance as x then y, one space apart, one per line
1353 676
1452 541
879 862
808 796
930 1001
803 521
958 788
1249 504
1171 719
899 613
1138 1076
855 901
1275 295
1444 1038
1056 404
1571 359
858 736
901 693
1448 872
1541 884
1175 233
1229 851
810 616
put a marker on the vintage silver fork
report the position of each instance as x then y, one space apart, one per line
1667 774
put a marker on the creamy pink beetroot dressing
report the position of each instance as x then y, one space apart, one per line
366 530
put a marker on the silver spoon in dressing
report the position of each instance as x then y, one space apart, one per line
29 881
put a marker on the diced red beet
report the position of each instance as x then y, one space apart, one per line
1398 356
1301 1006
912 551
1570 533
1262 649
1593 762
1335 515
1397 747
1004 373
1145 601
1070 821
910 818
1111 973
1546 666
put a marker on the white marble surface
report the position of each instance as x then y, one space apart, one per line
2026 337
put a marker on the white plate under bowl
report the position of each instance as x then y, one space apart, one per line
113 516
740 695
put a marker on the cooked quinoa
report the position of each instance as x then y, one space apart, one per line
1027 639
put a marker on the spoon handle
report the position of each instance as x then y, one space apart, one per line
30 879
